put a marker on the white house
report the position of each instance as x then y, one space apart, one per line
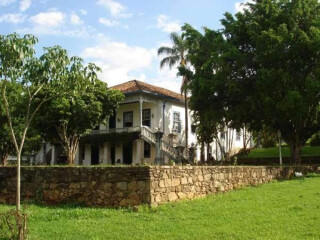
148 127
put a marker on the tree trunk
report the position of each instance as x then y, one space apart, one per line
186 117
244 138
295 151
208 152
202 152
71 150
18 181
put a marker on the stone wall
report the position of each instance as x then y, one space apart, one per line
131 186
175 183
92 186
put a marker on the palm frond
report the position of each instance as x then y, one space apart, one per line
169 61
166 50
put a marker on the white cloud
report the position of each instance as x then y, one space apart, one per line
166 25
83 12
24 5
56 23
79 32
75 19
108 22
116 9
12 18
240 6
6 2
48 19
118 61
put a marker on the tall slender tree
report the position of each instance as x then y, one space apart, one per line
35 77
177 55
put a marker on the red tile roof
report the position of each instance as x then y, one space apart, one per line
137 86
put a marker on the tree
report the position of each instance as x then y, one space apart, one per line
177 55
83 103
35 77
263 67
207 84
275 65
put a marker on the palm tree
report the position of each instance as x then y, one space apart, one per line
177 54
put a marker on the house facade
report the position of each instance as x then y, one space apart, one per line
130 135
147 128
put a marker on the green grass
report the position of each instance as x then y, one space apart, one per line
278 210
307 151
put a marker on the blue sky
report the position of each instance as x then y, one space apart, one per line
121 36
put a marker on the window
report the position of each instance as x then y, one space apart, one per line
112 121
147 150
146 117
176 122
127 119
96 127
238 135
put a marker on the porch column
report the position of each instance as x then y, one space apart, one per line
139 145
87 155
140 109
53 155
77 157
158 160
106 153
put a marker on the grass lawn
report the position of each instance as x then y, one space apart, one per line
274 152
278 210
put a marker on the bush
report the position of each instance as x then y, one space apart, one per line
268 142
265 138
315 140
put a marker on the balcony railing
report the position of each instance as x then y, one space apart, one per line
116 130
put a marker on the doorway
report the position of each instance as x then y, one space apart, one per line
113 155
127 153
94 155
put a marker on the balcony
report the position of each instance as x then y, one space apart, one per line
116 130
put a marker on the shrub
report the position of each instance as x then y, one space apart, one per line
265 138
315 140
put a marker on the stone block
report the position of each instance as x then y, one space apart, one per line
141 185
172 196
190 195
132 186
134 196
184 180
157 198
161 184
168 182
182 195
175 182
122 186
207 177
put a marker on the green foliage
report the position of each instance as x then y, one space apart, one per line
82 102
278 210
261 69
266 137
315 140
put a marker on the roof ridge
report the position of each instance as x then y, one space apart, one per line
137 83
